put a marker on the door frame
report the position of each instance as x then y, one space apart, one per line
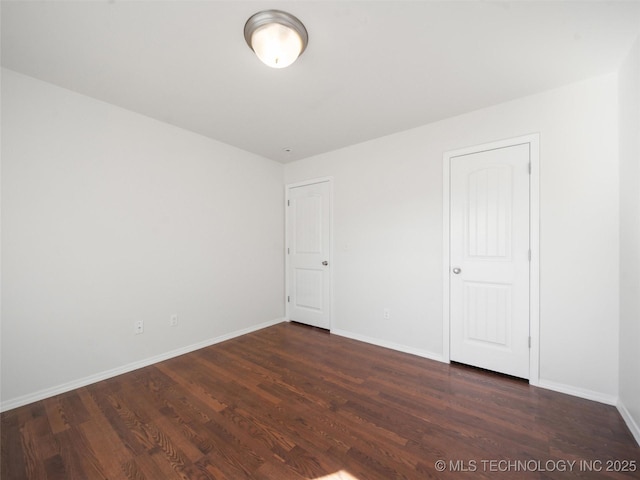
287 278
534 241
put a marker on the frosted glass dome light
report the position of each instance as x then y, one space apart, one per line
276 37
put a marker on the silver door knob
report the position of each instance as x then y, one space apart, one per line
456 270
325 263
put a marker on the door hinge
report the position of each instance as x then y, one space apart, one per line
288 299
288 203
529 254
288 251
529 342
529 168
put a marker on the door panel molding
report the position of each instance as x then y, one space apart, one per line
533 140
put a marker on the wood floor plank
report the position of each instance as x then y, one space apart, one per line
12 460
55 469
295 402
103 439
36 448
143 467
77 455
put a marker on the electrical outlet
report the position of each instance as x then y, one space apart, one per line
386 313
138 327
173 320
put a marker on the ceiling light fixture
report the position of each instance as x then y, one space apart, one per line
277 38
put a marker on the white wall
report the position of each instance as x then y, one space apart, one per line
109 217
629 82
388 230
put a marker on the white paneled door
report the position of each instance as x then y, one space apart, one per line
489 259
308 251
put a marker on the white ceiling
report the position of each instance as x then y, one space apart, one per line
371 68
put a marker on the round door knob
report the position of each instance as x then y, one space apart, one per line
456 270
325 263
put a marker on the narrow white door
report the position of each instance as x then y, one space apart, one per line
489 259
308 250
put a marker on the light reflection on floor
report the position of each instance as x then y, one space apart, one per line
341 475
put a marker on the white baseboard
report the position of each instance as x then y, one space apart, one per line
578 392
629 420
83 382
393 346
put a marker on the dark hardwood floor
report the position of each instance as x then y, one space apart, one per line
294 402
